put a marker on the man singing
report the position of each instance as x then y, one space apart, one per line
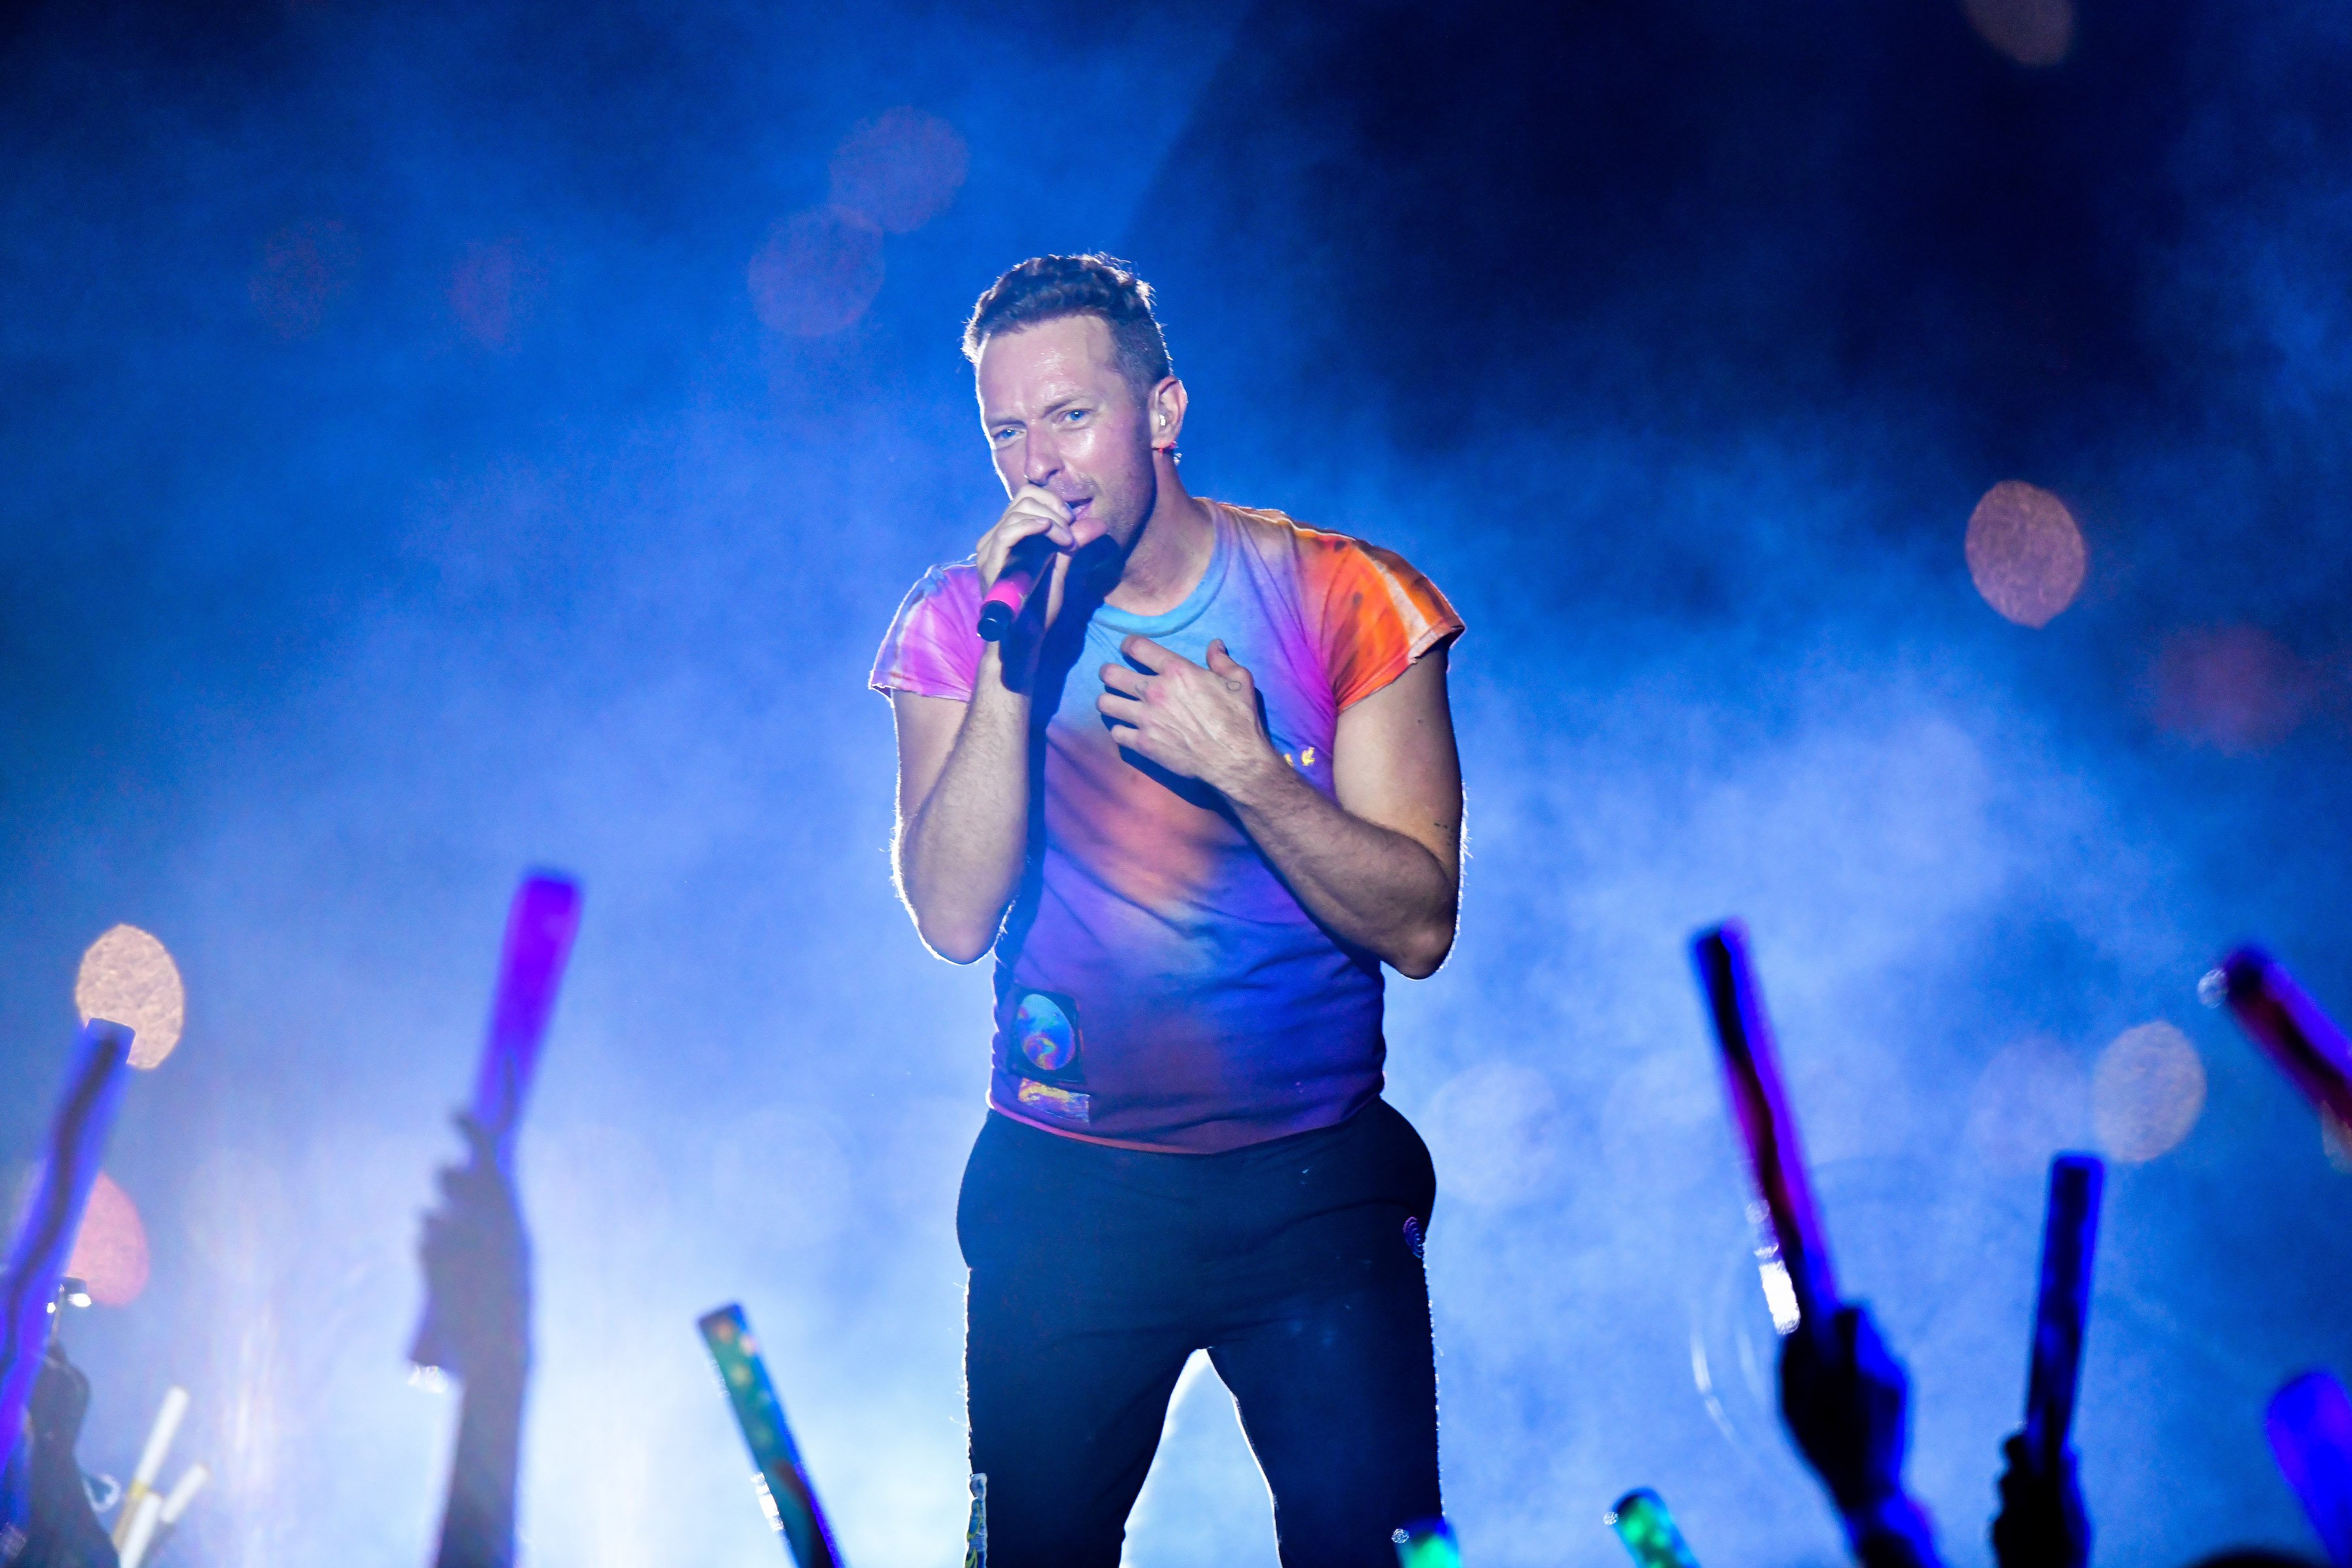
1195 799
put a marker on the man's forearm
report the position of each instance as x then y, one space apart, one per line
478 1525
1374 887
961 855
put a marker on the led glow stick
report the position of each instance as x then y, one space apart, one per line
2286 1021
176 1503
139 1532
2310 1426
1427 1543
1648 1531
784 1491
36 1258
1752 1072
151 1461
540 923
2069 1234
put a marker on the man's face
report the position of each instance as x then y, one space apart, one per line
1058 415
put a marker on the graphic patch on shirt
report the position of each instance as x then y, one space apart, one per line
1046 1031
1048 1099
1046 1054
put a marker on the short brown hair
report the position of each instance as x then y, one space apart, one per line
1044 288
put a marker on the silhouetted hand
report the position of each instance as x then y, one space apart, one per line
65 1530
476 1262
2041 1523
1846 1401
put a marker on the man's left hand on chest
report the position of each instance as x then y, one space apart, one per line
1199 720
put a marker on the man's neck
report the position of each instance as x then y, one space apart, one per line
1170 553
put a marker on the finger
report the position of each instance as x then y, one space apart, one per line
1120 709
479 1139
1041 504
1016 526
1150 655
1224 666
1121 679
1055 505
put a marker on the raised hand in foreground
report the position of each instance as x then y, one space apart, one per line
477 1259
1846 1401
2041 1523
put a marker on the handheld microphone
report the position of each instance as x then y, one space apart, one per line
1024 568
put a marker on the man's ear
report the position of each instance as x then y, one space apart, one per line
1165 409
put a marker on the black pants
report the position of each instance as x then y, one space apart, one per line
1295 1263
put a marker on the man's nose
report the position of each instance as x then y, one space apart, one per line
1040 461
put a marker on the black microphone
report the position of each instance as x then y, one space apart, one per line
1025 566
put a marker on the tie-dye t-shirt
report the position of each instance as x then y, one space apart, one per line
1156 984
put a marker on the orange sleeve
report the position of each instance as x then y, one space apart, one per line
1379 616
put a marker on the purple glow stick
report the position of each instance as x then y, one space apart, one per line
2069 1234
2310 1426
2286 1021
1753 1071
540 923
540 926
44 1242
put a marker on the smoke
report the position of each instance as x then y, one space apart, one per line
418 473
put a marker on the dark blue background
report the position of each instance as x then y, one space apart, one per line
1675 340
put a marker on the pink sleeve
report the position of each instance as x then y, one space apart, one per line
932 647
1379 616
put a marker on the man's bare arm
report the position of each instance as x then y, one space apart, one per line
963 811
1381 865
963 768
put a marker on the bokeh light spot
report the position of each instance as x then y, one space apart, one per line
2028 1103
901 169
2025 552
129 976
2147 1092
110 1253
1497 1130
2235 688
2030 32
491 291
304 269
818 272
2334 1141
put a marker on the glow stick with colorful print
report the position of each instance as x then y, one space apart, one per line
540 923
1752 1073
2286 1021
1643 1523
1427 1543
2069 1234
36 1258
151 1461
784 1491
2310 1426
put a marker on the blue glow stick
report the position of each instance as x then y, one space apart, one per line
2069 1234
44 1242
2297 1033
1761 1103
2310 1426
784 1490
